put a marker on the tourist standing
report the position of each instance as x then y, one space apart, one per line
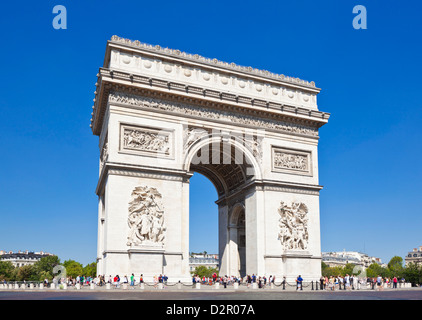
249 280
347 282
155 281
331 283
379 282
299 282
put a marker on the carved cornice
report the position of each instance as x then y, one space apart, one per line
110 80
113 168
284 186
270 185
314 191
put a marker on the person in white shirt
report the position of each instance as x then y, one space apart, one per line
347 281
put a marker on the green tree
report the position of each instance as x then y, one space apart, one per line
325 270
44 267
348 269
413 273
73 268
27 273
6 270
395 267
45 275
338 271
90 270
375 270
203 271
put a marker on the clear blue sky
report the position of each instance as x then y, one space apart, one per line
369 153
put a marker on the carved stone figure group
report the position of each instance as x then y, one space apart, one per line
146 217
293 225
145 141
290 161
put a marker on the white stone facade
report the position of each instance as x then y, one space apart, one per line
341 258
22 258
208 261
161 115
414 256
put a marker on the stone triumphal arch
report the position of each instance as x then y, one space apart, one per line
162 115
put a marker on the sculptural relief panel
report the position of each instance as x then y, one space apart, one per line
293 226
146 218
292 161
146 141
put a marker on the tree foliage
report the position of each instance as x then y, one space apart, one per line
6 270
412 273
73 268
90 270
27 273
203 271
44 269
338 270
395 267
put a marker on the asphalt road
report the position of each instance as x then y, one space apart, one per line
227 304
402 294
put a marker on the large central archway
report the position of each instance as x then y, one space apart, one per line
231 167
162 114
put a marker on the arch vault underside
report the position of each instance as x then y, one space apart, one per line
160 116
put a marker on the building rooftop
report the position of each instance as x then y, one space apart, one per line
23 255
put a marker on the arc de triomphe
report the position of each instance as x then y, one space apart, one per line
162 114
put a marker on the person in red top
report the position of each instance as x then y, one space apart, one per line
117 281
214 277
395 283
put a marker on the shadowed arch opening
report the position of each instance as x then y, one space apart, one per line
231 168
227 164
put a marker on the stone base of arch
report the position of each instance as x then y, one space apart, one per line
263 252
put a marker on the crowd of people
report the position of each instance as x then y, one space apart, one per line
350 282
116 281
225 280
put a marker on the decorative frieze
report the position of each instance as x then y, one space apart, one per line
293 226
210 114
146 218
291 161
